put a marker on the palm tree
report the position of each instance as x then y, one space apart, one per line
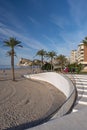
61 60
85 41
12 43
51 55
41 53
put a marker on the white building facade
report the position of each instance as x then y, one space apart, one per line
73 56
79 55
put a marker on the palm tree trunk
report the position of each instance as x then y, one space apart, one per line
51 64
62 66
41 61
12 65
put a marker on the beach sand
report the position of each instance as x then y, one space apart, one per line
25 100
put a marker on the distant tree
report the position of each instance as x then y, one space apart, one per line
41 53
61 60
85 41
12 43
47 66
51 55
76 67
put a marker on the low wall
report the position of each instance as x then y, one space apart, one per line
56 80
63 84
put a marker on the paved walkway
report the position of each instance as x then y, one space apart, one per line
81 85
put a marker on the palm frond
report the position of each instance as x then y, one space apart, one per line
20 45
12 42
85 41
41 52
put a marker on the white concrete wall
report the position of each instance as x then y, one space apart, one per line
64 85
55 79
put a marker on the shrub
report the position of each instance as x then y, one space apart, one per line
47 66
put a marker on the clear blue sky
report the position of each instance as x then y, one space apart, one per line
58 25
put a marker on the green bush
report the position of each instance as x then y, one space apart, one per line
77 67
47 66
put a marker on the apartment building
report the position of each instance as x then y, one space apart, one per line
79 55
82 54
73 56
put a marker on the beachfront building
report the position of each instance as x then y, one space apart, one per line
82 54
79 55
73 56
24 62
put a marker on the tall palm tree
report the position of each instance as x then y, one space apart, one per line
61 60
12 43
41 53
51 55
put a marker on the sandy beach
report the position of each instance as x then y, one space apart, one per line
25 100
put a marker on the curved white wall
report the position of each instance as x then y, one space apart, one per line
63 84
56 79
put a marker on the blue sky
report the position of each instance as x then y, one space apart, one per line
58 25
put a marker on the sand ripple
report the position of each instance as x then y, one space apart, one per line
24 101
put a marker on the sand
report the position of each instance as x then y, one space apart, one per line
24 101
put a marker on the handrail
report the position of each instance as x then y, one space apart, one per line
63 106
75 90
